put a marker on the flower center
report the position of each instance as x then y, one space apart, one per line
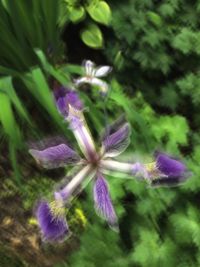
94 160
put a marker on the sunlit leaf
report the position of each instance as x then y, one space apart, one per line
77 14
92 36
100 12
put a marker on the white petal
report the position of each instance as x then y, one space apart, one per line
89 67
85 141
102 71
113 165
103 85
75 182
81 80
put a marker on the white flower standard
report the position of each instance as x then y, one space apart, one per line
93 74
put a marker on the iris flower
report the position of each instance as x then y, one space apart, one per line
93 164
92 75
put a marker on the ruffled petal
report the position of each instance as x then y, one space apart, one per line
167 171
60 91
53 226
74 100
62 106
169 166
116 143
55 156
65 97
112 128
103 71
103 203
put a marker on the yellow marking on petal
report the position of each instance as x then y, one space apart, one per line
57 209
79 213
153 171
150 166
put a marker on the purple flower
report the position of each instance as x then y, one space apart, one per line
52 221
93 165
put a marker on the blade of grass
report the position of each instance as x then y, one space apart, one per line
38 87
7 119
7 87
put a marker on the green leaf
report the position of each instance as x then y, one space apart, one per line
77 14
155 18
92 36
7 119
37 85
100 12
7 87
173 130
42 92
62 77
184 41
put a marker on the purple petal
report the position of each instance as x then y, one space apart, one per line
75 121
61 92
55 157
62 106
112 128
117 142
174 171
103 204
53 227
65 97
61 101
74 100
139 170
169 166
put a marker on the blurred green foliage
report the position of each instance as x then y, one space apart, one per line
7 260
31 36
154 48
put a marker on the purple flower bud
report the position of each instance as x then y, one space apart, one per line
52 222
